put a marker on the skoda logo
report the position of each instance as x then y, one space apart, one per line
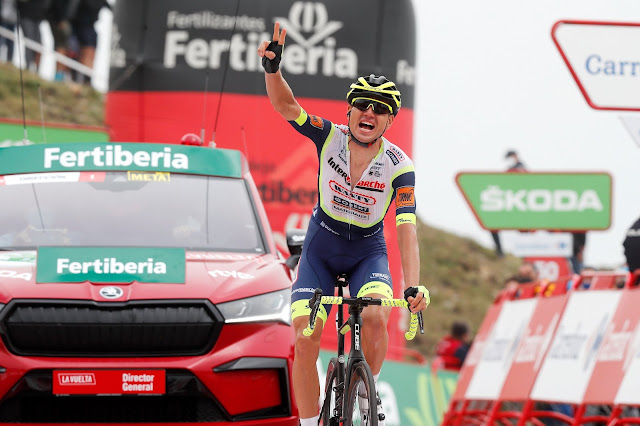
111 292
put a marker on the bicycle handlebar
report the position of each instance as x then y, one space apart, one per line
318 299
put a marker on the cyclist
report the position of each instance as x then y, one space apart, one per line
360 174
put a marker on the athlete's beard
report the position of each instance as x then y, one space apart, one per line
362 144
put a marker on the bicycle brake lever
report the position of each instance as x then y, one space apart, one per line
315 301
420 323
317 294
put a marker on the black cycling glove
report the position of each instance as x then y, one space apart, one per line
413 292
271 65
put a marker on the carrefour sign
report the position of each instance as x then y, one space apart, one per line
604 60
538 201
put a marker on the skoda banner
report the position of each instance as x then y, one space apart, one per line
191 66
537 201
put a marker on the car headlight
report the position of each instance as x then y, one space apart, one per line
274 306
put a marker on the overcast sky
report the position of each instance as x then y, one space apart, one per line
489 78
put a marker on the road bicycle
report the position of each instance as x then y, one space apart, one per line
350 396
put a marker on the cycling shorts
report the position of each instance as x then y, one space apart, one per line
326 255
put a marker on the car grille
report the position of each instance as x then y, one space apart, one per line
109 329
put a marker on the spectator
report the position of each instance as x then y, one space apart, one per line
83 29
631 246
577 258
59 16
527 273
452 349
32 13
515 165
511 283
8 18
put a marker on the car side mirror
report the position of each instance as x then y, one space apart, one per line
295 240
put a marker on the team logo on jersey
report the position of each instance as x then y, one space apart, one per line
316 122
371 185
405 197
346 206
375 170
350 194
343 155
338 169
397 152
394 158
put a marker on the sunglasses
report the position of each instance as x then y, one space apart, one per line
378 107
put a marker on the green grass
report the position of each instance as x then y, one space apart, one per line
462 276
61 103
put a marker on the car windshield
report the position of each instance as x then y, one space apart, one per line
128 209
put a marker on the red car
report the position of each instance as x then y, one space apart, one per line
139 283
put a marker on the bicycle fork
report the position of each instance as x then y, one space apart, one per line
353 324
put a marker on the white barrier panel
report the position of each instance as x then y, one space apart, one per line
616 354
629 392
499 349
475 352
569 363
533 347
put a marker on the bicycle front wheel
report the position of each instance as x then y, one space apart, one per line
332 392
361 405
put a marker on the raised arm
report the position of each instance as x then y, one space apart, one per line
278 90
410 258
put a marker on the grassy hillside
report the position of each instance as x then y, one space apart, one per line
462 276
48 101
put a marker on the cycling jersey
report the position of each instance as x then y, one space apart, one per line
358 212
345 232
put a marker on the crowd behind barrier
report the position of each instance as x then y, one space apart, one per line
56 39
555 353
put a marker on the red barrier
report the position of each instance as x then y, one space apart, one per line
513 401
460 412
626 409
464 409
579 349
568 368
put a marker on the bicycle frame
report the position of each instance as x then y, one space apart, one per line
341 282
353 323
356 355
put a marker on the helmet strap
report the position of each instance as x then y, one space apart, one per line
362 144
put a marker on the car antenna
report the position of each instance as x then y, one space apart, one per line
204 105
224 76
44 131
24 114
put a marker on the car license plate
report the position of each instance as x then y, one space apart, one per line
109 382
